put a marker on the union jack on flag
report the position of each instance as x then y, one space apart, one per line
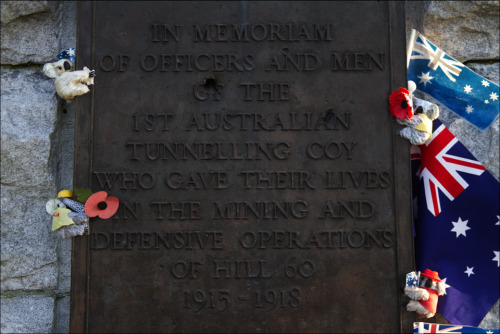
425 50
457 226
439 169
450 82
422 327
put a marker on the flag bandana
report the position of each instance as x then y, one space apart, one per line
457 228
68 54
450 82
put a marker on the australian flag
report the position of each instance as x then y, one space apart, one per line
422 327
457 227
466 93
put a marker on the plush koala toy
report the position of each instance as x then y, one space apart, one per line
419 128
425 296
69 84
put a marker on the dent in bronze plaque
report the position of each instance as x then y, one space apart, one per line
250 144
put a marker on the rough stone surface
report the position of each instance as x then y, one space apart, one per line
61 323
65 147
12 10
492 319
27 314
30 31
29 260
37 158
489 71
463 29
24 118
63 140
28 248
482 144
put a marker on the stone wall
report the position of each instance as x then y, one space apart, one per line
37 142
37 161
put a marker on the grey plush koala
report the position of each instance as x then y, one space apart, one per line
419 128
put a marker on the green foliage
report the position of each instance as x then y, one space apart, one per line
82 194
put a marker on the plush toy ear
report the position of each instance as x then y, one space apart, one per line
411 86
430 109
433 112
49 70
440 288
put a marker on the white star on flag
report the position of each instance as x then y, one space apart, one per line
493 96
425 78
446 286
496 258
469 271
485 83
498 222
486 101
469 109
460 227
467 89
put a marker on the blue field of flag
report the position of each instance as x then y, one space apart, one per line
450 82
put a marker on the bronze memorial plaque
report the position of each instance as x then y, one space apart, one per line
262 186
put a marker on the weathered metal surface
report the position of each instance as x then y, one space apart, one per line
261 186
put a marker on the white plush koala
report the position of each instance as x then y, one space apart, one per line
419 128
69 84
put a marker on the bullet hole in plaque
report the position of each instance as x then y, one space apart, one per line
210 85
328 115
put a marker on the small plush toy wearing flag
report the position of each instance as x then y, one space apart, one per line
447 80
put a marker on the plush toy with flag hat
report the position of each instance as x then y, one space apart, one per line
68 82
424 297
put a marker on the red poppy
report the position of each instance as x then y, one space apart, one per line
400 104
99 204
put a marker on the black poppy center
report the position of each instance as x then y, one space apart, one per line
102 205
404 104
